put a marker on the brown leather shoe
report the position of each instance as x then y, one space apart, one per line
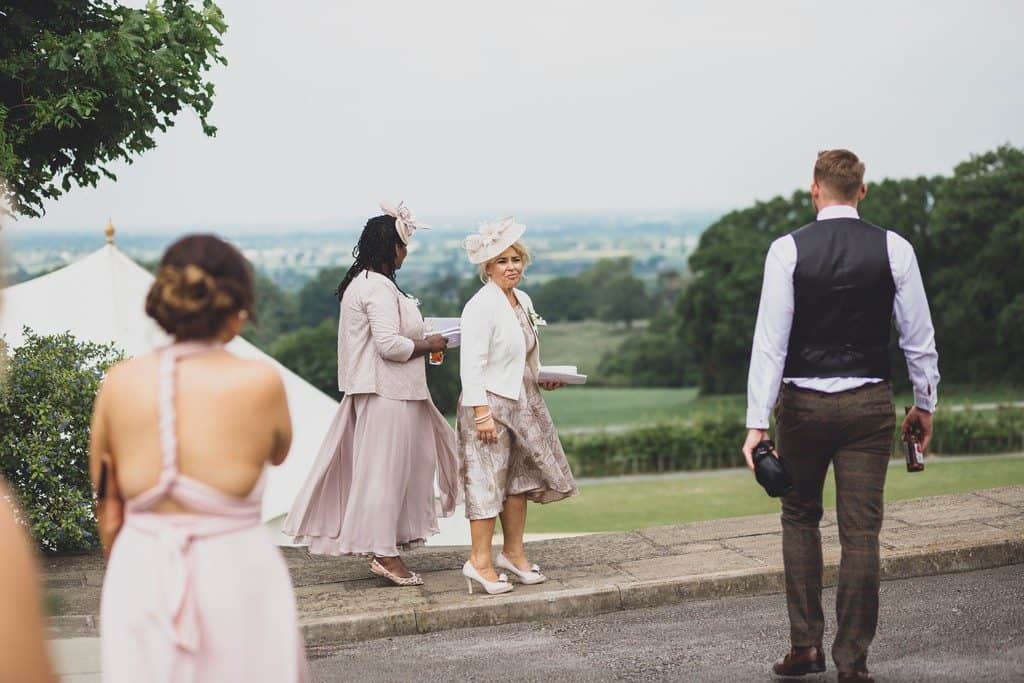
860 676
800 661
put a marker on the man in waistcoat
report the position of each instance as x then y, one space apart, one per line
830 292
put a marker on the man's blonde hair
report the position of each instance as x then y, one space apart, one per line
840 171
521 249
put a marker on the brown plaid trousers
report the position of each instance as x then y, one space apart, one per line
853 431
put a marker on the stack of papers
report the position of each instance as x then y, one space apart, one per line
449 328
567 374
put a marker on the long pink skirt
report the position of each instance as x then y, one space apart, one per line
238 597
371 490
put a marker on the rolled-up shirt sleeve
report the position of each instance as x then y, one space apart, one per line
771 332
914 322
381 306
476 342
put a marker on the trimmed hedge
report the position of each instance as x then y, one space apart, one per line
715 443
668 447
979 431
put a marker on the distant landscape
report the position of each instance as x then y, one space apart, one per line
566 244
657 310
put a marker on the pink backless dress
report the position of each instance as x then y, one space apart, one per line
203 596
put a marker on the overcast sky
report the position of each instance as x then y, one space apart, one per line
478 108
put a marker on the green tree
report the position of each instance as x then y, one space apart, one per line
716 313
276 313
607 290
975 280
316 300
446 296
656 357
967 231
46 398
87 82
564 298
312 354
624 299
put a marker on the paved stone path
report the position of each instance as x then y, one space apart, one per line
340 601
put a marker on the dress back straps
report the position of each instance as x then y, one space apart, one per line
166 410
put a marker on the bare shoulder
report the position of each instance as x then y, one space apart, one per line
261 376
128 372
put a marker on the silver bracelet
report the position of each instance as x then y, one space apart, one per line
482 418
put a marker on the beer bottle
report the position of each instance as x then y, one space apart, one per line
915 460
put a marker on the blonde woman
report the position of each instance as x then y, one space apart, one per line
508 445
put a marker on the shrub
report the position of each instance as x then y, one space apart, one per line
979 431
704 444
46 399
712 443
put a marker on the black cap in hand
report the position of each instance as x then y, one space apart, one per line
771 471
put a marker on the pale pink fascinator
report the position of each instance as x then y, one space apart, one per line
492 238
405 223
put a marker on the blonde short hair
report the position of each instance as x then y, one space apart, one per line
521 249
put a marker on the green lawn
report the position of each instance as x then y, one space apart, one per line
596 407
582 344
626 505
576 407
967 394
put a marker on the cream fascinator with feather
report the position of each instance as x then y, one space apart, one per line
405 223
492 238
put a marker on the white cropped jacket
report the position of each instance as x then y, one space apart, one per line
493 353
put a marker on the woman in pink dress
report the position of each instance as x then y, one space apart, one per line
181 438
371 490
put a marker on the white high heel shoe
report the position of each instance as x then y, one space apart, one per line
492 587
529 577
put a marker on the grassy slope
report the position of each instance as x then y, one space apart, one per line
594 407
584 343
581 344
625 505
575 407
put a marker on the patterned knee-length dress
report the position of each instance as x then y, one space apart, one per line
528 457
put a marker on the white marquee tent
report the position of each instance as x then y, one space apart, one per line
100 299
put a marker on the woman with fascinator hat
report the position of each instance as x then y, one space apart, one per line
507 441
371 489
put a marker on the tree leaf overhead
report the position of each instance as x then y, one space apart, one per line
84 83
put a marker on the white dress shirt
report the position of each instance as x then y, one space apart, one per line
775 319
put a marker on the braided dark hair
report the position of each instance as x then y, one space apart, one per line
375 251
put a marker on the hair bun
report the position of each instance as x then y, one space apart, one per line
202 281
186 297
190 290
